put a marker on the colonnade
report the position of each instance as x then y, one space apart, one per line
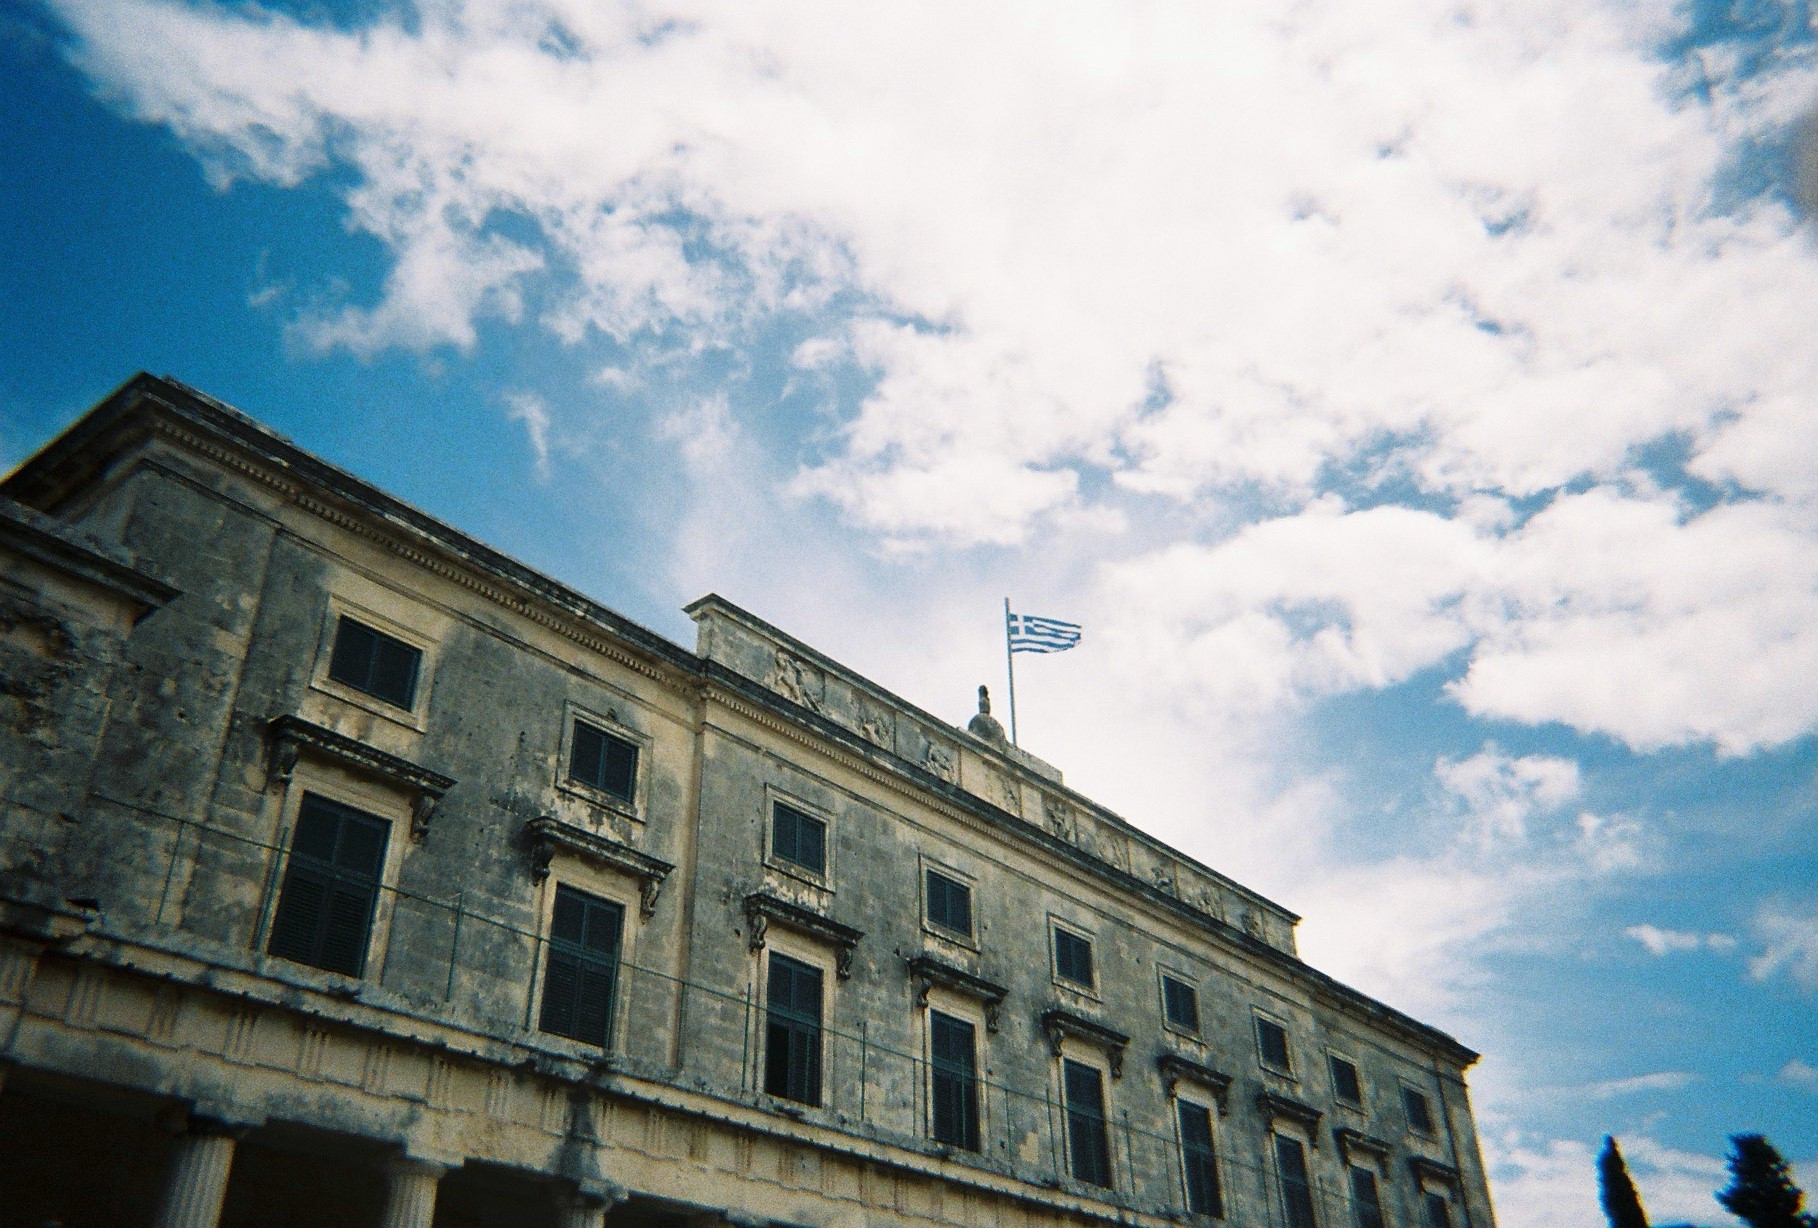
195 1185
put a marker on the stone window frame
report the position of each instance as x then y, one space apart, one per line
416 716
1092 1056
622 885
1407 1087
782 865
1259 1016
1165 973
1208 1089
1358 1105
806 950
333 782
968 1008
607 721
1058 924
929 864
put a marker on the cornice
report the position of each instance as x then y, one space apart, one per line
548 834
1174 1069
1274 1106
292 737
1060 1023
762 909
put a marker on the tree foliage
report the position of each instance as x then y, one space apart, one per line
1621 1204
1761 1192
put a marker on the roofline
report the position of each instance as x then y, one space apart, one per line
62 465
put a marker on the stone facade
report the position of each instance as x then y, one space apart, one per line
580 873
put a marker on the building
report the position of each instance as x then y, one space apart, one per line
352 873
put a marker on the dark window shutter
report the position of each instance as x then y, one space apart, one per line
331 887
949 903
1345 1083
587 755
1200 1160
1180 1002
1420 1117
798 838
1272 1040
1088 1139
1364 1198
1073 958
955 1081
376 663
580 972
1439 1211
602 761
1296 1189
792 1034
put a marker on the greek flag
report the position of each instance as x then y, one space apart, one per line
1031 634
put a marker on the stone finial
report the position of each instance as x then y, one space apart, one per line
984 725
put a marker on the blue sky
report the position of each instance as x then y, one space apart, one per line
1415 402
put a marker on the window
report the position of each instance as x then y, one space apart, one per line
1180 1004
1296 1189
601 761
1345 1083
798 838
1420 1117
581 969
792 1043
954 1087
1272 1045
1199 1160
1088 1139
1365 1203
374 663
1439 1211
949 904
331 887
1072 958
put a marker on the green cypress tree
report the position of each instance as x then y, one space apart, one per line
1621 1204
1761 1192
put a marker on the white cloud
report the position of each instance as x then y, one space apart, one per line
1801 1074
1501 792
1788 933
1664 942
1090 285
1544 1183
528 408
1659 1081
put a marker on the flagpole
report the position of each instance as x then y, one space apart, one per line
1010 663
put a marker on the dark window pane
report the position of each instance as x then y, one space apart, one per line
1272 1041
949 904
1073 958
1420 1119
954 1082
1364 1199
605 762
1345 1084
375 663
331 887
1180 1002
1439 1211
580 971
1088 1139
1296 1190
798 838
1199 1160
792 1034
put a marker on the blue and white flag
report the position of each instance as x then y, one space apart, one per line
1029 633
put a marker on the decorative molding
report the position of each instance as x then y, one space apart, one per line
762 908
292 736
1174 1068
927 972
1274 1106
548 834
1059 1023
1432 1172
1357 1143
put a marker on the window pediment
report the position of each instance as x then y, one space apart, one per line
1060 1024
763 908
1274 1106
1174 1069
549 835
927 972
293 737
1354 1144
1429 1173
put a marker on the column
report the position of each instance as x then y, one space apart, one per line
196 1185
579 1210
411 1200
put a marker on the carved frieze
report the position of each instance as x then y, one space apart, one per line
797 681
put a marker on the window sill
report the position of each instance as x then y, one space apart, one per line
413 719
